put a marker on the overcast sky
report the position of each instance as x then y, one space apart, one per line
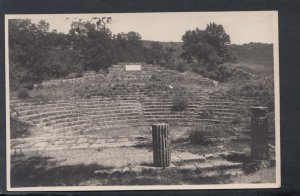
243 27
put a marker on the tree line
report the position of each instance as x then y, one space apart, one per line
37 54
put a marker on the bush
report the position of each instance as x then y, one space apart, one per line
179 101
199 138
207 134
179 104
23 93
181 67
40 99
236 119
221 73
88 90
18 128
262 89
28 85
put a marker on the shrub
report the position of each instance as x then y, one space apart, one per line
262 89
236 120
71 75
198 137
40 99
88 90
23 93
206 114
221 73
28 85
152 87
207 134
181 67
18 128
179 101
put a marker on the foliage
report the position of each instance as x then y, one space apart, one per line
260 88
87 90
38 54
181 67
18 128
253 54
23 93
207 47
179 100
40 98
198 137
236 119
152 87
222 73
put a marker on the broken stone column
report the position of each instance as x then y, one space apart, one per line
161 145
259 133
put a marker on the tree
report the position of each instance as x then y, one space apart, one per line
93 45
27 51
169 56
157 52
207 47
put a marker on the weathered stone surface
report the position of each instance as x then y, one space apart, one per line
259 134
161 145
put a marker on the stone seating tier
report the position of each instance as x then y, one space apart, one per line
125 110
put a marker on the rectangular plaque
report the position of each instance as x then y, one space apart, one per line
133 67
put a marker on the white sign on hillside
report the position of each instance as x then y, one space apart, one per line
134 67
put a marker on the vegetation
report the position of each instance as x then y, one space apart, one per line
197 137
23 93
207 47
179 100
18 129
37 54
261 88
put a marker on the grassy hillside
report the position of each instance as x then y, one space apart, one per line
257 54
254 53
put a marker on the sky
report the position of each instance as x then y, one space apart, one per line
242 27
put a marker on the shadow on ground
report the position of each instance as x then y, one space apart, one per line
43 171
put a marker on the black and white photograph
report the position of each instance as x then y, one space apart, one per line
142 101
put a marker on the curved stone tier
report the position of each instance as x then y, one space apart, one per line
132 108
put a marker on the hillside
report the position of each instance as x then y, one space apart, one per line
252 53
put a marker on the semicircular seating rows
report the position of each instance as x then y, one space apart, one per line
129 107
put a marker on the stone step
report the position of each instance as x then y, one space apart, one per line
70 118
71 123
218 110
99 122
208 168
80 107
169 109
54 118
48 114
46 109
216 106
214 121
74 101
39 106
78 111
168 112
59 121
